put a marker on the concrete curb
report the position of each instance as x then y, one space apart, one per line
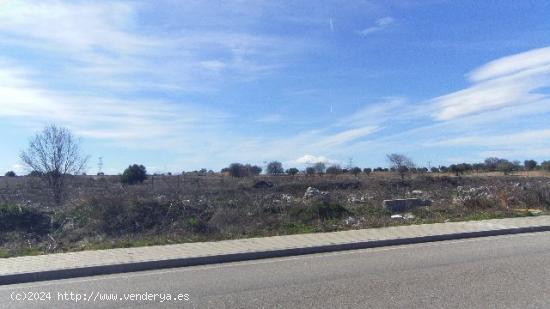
235 257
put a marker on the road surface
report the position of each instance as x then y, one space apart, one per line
493 272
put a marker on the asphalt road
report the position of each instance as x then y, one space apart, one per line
493 272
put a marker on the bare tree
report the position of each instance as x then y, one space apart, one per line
53 154
401 163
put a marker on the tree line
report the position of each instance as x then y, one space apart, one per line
55 153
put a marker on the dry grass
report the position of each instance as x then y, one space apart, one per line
99 212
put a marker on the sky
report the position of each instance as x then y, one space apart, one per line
184 85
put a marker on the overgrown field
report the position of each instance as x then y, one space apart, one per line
99 212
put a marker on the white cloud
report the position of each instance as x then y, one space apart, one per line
508 81
72 27
379 24
535 58
311 159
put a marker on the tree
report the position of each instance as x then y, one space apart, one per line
254 170
334 170
505 166
491 163
10 174
401 163
530 164
242 170
275 168
237 170
545 165
34 174
457 169
367 170
134 174
478 167
310 171
434 170
319 168
53 154
356 171
292 171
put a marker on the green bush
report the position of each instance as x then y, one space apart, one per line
17 218
134 174
318 211
116 215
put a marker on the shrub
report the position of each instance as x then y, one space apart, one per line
10 174
26 219
545 165
134 174
367 170
117 215
275 168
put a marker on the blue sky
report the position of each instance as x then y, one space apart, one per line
181 85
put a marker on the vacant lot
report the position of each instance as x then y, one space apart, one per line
100 212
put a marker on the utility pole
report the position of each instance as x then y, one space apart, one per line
100 166
350 163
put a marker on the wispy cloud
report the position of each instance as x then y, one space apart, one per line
379 24
98 117
376 113
103 44
508 81
346 136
